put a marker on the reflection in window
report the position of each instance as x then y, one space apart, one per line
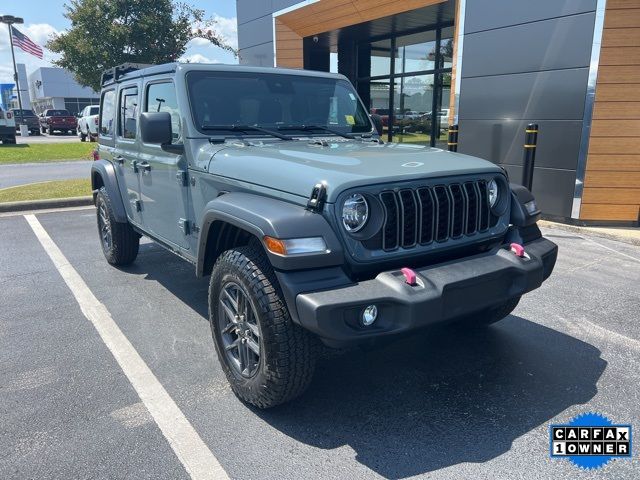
381 58
128 112
413 97
161 97
108 113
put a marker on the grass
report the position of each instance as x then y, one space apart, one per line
45 152
46 190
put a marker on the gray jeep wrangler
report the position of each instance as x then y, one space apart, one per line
276 184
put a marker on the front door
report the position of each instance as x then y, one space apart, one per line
163 183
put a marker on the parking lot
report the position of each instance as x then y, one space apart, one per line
447 403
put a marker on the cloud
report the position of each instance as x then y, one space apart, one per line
40 34
226 27
196 58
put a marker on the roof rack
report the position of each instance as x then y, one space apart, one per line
113 74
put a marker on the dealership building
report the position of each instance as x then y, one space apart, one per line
492 67
51 87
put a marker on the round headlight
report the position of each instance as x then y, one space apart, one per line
493 193
355 213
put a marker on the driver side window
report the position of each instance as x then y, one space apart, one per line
161 97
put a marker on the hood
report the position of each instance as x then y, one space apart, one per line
296 166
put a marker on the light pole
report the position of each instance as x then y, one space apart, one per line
10 20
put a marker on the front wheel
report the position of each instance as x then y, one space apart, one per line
267 359
119 241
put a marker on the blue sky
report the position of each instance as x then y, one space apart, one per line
43 18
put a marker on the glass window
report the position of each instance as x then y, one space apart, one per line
273 100
93 111
108 113
381 58
446 48
417 52
128 113
161 97
413 99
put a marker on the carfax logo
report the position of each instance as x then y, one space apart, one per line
590 440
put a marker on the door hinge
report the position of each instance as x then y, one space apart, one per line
184 225
137 206
181 177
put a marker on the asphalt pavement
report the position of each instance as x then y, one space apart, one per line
24 173
446 403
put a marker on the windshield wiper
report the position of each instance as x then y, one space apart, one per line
317 127
249 128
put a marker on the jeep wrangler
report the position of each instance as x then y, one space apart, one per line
276 184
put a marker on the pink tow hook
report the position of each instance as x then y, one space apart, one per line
517 249
409 276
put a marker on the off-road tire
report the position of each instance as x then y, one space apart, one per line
125 242
83 137
490 315
287 352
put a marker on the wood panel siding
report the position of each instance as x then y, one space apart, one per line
454 67
612 180
327 15
289 47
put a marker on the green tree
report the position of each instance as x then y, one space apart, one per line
106 33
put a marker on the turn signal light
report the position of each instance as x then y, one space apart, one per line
275 245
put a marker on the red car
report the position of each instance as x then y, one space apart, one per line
60 120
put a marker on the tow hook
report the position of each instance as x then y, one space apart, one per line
410 276
518 250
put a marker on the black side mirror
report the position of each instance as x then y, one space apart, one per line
377 122
155 127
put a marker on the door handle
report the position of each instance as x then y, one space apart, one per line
119 159
144 166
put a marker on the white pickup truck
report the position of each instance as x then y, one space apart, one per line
7 127
88 123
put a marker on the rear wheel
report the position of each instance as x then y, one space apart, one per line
490 315
119 241
83 137
268 360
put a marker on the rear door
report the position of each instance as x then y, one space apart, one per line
163 183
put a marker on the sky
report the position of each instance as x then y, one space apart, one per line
43 18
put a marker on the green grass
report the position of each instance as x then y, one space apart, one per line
46 190
45 152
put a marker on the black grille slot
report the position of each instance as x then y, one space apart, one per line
484 205
473 213
441 195
427 215
458 208
390 229
408 218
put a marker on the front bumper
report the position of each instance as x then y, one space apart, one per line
445 292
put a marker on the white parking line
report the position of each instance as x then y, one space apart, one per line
196 457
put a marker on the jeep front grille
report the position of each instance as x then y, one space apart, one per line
438 213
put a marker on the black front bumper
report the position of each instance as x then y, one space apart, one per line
445 292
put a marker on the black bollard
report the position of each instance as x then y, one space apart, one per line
530 144
453 138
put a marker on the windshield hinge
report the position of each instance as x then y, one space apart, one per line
317 197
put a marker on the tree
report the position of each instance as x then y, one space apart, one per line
106 33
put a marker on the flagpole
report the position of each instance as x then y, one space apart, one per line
10 20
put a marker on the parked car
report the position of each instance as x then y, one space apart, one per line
28 118
53 120
7 127
276 184
88 123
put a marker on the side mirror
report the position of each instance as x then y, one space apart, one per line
155 127
377 122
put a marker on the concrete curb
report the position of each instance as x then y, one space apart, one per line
44 204
626 235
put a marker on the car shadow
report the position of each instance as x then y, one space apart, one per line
441 397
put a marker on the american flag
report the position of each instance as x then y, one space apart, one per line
25 43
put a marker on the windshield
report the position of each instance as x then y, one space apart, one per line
94 110
58 113
274 101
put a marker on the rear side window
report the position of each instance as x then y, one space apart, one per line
161 97
108 113
94 110
128 113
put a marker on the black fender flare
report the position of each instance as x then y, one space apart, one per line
519 214
107 173
276 218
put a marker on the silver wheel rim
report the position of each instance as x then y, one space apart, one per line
239 330
104 226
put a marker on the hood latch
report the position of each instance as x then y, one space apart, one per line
317 197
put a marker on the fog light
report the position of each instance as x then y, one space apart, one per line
369 315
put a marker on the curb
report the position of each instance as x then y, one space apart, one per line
44 204
594 231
